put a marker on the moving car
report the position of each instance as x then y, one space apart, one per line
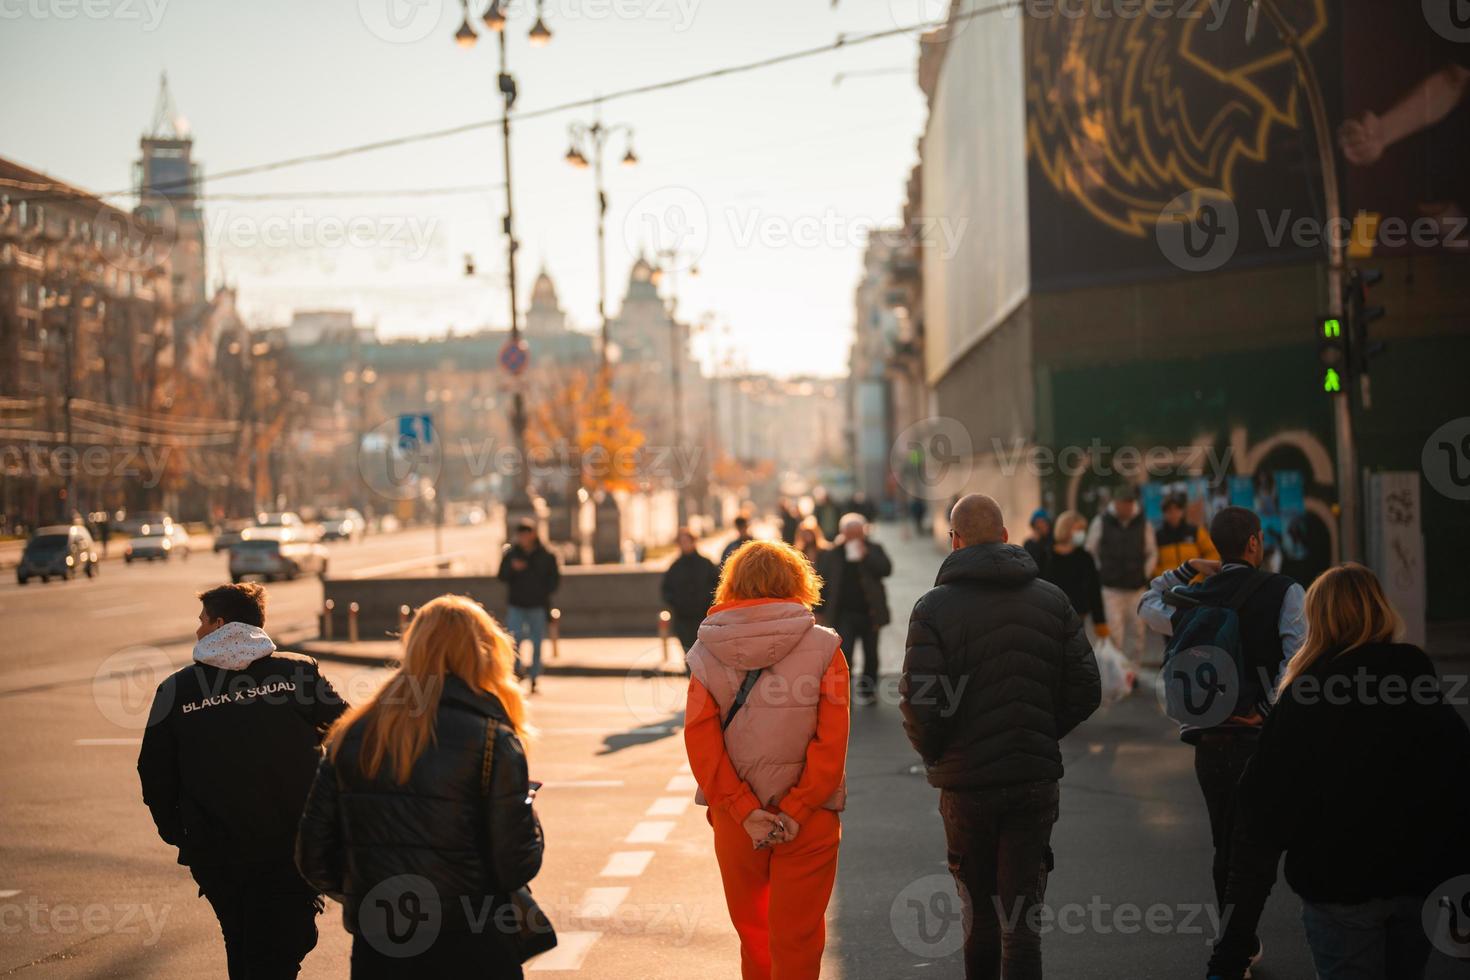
342 525
276 553
158 541
60 550
133 522
279 518
229 534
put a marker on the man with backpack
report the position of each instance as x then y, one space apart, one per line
1229 638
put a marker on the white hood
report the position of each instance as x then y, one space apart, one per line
234 646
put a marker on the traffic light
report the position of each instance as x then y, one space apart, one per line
1332 349
1360 315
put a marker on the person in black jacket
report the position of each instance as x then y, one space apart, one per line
228 756
531 576
998 669
854 598
688 589
420 821
1039 544
742 535
1362 777
1070 567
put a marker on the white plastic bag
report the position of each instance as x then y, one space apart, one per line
1117 673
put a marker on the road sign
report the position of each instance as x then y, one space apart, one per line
514 356
415 432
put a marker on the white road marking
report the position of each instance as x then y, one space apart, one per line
581 783
108 741
685 768
117 610
626 864
668 806
571 949
682 783
600 903
9 893
650 832
612 730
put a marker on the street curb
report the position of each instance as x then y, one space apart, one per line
548 667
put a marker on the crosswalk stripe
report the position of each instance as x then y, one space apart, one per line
682 783
650 832
626 864
600 903
571 949
668 806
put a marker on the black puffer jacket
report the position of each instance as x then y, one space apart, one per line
359 834
997 670
688 587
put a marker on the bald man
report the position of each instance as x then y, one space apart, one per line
997 670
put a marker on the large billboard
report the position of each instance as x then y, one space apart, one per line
1142 112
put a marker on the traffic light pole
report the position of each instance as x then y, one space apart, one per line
1349 527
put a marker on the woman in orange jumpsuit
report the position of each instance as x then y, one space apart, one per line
766 729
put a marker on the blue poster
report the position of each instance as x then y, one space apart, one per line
1242 492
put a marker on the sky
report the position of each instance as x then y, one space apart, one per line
765 182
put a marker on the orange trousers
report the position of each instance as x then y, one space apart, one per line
778 896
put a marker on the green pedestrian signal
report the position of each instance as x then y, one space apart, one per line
1333 382
1331 329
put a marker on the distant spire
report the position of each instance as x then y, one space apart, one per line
168 122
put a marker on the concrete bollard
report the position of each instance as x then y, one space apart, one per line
404 614
352 611
327 608
553 630
663 632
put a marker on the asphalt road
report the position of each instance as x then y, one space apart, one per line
87 890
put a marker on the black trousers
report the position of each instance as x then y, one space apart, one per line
1219 760
686 628
999 843
267 915
853 627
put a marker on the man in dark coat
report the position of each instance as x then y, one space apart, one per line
998 669
531 575
688 589
854 598
228 757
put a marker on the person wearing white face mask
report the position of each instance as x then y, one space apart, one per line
1073 570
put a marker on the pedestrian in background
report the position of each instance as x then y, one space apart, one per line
688 589
766 731
227 760
742 535
423 807
1121 540
1072 570
1268 611
1362 777
810 540
790 520
531 575
854 599
1178 540
997 671
1039 543
826 511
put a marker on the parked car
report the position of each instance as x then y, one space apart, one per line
273 553
229 533
132 523
155 542
342 525
61 550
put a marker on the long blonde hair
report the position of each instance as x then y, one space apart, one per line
1345 609
452 634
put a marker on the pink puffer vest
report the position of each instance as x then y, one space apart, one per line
768 739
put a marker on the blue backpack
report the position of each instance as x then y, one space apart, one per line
1207 678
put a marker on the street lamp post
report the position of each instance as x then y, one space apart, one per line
1349 543
669 265
518 503
587 144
